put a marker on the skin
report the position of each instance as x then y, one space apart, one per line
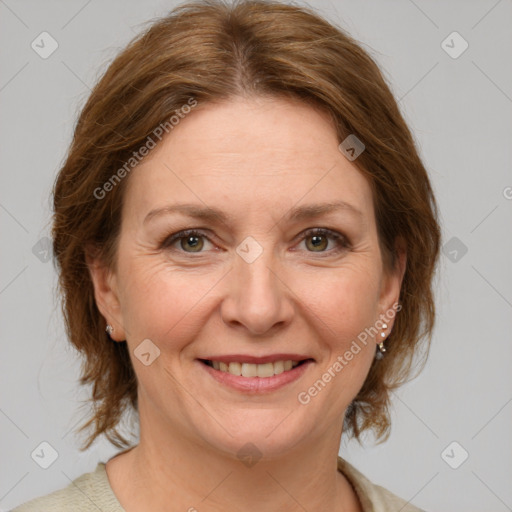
255 159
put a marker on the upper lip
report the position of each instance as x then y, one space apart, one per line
241 358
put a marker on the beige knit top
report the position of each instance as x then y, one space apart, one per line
91 492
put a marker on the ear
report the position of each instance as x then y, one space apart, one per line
106 292
391 283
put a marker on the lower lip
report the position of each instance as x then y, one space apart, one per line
257 384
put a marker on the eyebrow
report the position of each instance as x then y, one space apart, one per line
299 213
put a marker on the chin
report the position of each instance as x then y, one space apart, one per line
257 434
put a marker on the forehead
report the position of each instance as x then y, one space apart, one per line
244 153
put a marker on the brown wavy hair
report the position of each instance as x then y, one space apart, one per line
214 51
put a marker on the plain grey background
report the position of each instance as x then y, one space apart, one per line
459 109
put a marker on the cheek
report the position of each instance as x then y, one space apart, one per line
342 307
166 303
344 301
161 302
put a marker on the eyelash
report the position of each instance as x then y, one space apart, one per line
340 240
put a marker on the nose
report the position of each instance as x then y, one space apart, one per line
258 298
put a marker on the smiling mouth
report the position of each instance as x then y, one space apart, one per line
254 370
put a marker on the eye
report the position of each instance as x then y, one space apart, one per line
188 239
317 239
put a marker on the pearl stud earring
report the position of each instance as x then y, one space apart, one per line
379 354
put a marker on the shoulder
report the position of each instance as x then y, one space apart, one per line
374 498
89 492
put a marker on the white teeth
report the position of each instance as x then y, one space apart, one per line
249 370
235 368
265 370
255 370
278 367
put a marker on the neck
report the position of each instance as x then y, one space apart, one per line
168 469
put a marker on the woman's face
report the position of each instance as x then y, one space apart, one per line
255 284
